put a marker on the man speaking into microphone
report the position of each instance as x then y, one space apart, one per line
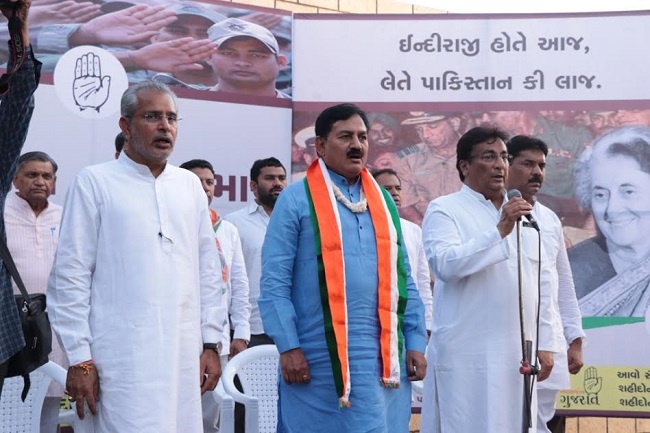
527 173
473 382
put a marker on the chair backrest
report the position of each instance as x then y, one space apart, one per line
257 369
17 416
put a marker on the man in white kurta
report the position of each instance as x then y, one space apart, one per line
134 290
473 382
527 173
412 233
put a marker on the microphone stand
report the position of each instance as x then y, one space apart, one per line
526 368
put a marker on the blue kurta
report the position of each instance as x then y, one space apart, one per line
292 314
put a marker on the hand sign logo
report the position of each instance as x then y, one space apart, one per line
89 81
89 88
592 383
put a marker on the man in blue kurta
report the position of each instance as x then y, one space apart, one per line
336 293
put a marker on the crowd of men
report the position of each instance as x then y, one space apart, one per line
141 272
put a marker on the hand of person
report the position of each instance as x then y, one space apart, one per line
82 384
416 365
574 356
138 23
514 209
545 364
89 88
210 369
294 366
67 12
179 55
237 345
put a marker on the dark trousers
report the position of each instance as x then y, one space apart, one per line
557 424
4 367
240 413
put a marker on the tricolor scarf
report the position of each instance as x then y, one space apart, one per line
391 273
216 222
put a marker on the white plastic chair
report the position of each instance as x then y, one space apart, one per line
226 417
257 369
17 416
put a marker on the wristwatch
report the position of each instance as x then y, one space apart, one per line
213 346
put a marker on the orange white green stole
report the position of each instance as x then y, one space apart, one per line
391 273
216 222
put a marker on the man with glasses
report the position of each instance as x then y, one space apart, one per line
473 380
135 292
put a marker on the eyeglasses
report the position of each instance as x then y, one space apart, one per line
154 117
490 157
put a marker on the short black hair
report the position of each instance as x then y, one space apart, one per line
329 116
471 138
197 163
36 156
377 173
258 165
519 143
120 139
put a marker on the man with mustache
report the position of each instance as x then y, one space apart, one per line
248 58
135 293
475 350
32 224
268 178
526 174
337 295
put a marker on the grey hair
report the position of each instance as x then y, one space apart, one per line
631 141
129 102
36 156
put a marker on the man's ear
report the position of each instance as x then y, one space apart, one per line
282 61
463 167
124 126
319 144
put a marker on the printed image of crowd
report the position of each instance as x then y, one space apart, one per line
597 180
185 44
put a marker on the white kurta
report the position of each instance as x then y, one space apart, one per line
32 242
567 320
135 287
473 382
419 266
239 306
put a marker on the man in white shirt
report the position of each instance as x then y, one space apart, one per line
526 174
234 273
32 225
268 178
135 293
412 233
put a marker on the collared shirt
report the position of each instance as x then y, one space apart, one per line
32 240
15 114
251 223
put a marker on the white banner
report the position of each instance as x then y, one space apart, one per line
455 58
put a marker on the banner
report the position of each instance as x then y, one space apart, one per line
229 64
425 80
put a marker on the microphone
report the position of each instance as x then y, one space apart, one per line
515 193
